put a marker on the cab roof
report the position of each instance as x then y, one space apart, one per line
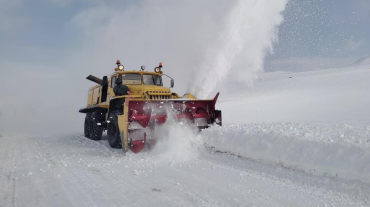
136 72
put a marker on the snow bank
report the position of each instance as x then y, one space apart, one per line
329 150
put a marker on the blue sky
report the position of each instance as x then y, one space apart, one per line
326 28
336 30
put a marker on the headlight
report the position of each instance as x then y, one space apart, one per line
156 70
120 67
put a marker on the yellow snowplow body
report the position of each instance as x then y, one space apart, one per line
123 126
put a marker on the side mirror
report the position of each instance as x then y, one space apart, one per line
172 83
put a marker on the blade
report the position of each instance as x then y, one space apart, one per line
138 145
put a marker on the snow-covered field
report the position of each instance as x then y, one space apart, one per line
295 139
332 96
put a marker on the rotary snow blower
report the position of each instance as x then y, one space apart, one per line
129 105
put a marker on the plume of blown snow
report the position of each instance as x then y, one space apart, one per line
248 33
177 140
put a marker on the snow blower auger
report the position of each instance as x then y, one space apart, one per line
130 105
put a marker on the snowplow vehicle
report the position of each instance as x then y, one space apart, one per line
130 105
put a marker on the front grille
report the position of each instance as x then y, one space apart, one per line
159 97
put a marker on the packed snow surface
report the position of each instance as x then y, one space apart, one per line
295 139
70 170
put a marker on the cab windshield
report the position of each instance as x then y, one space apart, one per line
131 79
152 80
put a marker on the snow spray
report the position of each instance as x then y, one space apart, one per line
248 32
177 141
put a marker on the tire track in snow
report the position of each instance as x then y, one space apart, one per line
85 192
8 177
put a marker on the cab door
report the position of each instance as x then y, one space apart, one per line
112 84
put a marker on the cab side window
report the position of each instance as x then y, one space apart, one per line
113 82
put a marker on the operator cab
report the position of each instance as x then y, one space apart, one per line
139 77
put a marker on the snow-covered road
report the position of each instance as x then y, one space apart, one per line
70 170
